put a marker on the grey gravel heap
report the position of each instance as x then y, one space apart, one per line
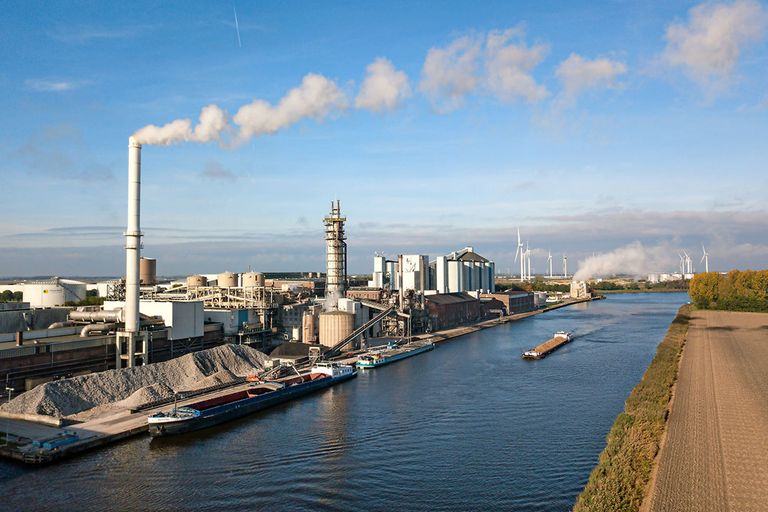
133 387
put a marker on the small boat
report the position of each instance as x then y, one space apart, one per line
260 395
391 353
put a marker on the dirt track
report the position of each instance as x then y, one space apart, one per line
715 455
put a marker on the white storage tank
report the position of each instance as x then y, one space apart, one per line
195 281
44 294
227 280
335 326
252 279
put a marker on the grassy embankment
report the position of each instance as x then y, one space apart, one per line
618 483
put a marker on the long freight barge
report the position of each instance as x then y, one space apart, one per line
261 395
558 340
392 353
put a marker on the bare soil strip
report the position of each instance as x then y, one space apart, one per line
715 455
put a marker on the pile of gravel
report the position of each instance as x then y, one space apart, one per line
134 387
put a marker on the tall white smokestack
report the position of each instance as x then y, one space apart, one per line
133 240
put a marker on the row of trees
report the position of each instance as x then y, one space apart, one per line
739 290
9 296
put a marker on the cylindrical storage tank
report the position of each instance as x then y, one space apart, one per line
251 279
227 280
44 294
308 327
335 326
147 271
195 281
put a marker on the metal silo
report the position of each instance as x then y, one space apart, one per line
253 279
197 280
147 271
227 280
335 326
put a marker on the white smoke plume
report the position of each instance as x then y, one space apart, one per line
315 98
210 127
384 87
632 259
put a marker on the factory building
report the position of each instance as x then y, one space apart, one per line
514 302
447 310
462 271
459 271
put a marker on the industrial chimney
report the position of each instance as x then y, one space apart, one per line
126 339
336 256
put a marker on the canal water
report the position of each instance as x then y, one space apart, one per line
467 426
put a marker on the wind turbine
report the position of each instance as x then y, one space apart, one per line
705 258
688 263
528 260
549 262
565 266
519 252
682 263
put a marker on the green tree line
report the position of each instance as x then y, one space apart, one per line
739 290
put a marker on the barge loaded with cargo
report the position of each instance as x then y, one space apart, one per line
260 395
558 340
391 353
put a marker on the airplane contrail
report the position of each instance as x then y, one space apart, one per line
237 28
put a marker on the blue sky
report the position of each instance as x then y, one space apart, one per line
590 126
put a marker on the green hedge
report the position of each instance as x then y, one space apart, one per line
618 482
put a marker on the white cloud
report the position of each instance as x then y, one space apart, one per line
52 85
451 73
509 64
578 75
708 46
384 87
499 63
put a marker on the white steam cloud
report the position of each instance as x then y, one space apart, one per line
632 259
707 48
384 87
211 125
315 98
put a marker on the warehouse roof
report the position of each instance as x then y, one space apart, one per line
450 298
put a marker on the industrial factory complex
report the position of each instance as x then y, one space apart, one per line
144 319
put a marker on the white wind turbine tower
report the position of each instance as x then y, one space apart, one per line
528 260
519 253
682 263
705 258
565 266
549 262
688 263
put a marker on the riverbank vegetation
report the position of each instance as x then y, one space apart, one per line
618 483
739 290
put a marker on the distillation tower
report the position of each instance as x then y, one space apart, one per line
336 255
